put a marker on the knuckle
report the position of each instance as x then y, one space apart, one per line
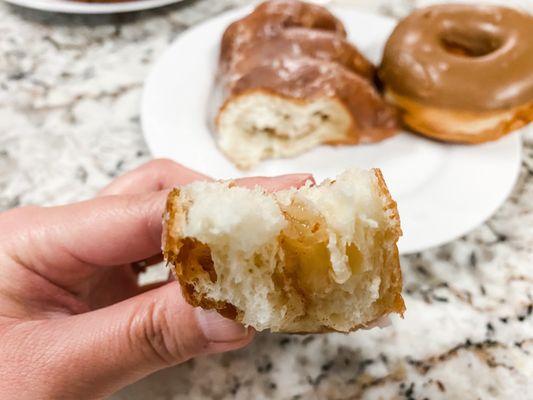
17 218
151 331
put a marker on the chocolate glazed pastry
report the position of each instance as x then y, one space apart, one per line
462 73
292 81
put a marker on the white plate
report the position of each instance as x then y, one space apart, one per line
74 7
443 191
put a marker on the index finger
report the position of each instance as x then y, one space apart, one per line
155 175
105 231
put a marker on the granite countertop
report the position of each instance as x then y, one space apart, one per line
69 123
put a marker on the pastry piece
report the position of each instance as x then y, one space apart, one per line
317 259
291 81
287 108
461 73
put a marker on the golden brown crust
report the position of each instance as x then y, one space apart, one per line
395 301
454 125
390 203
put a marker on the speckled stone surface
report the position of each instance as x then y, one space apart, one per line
69 123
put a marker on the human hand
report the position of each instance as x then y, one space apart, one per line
74 323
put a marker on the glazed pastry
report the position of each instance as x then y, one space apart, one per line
295 43
315 259
272 17
291 81
461 73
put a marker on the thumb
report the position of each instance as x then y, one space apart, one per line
101 351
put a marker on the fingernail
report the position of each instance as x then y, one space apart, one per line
297 179
218 329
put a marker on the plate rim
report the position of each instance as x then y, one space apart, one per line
75 7
504 196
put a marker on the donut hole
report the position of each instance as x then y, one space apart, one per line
470 43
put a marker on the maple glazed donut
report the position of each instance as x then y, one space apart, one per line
289 81
461 73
